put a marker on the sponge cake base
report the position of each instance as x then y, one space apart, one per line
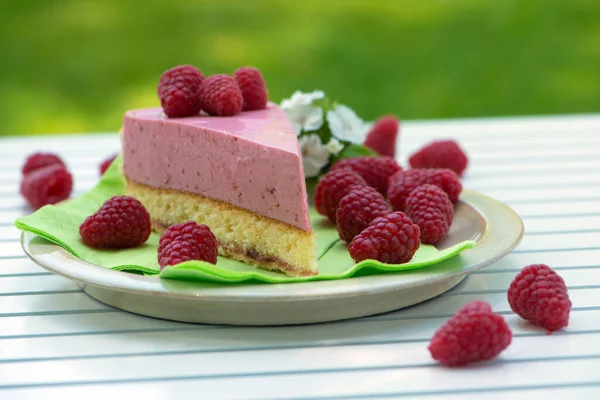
243 235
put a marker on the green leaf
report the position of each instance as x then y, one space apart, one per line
60 225
354 150
325 103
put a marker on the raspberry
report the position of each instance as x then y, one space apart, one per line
376 171
47 185
221 95
382 136
178 91
440 154
106 163
253 87
404 182
40 160
540 295
357 209
391 239
121 222
332 188
430 208
474 333
187 241
475 306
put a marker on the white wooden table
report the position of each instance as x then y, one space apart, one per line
57 341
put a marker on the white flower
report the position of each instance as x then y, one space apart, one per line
334 146
302 99
314 155
346 125
301 113
305 118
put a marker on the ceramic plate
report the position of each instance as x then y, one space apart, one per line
495 227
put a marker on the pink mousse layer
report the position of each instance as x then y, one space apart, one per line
251 160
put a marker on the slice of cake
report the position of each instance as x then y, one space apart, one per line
240 175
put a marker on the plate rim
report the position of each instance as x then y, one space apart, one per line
231 292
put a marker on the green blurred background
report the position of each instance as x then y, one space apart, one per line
77 65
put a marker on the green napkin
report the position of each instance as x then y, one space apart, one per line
60 224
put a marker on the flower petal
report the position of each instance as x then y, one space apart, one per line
346 125
314 155
314 119
301 99
334 146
